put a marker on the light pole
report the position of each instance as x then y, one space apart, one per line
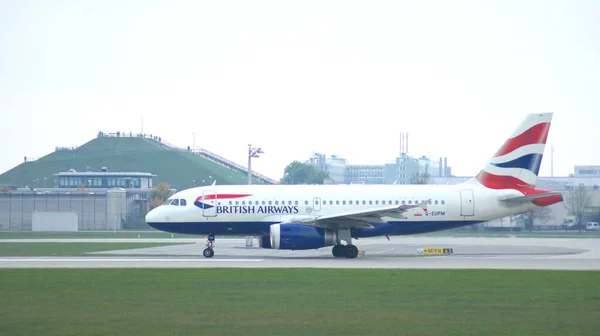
252 152
552 161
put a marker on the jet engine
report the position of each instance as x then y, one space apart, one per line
300 237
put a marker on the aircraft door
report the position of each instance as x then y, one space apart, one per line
316 204
467 206
209 203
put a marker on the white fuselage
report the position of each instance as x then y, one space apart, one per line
468 202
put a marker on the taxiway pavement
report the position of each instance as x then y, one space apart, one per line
399 252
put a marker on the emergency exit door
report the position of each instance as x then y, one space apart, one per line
317 204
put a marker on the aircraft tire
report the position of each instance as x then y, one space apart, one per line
351 251
208 253
338 251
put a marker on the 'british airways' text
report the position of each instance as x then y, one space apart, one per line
251 209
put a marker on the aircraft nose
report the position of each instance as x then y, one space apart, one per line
152 216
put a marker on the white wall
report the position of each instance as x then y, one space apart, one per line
54 221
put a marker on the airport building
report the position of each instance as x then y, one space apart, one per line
403 170
335 166
587 171
104 179
97 200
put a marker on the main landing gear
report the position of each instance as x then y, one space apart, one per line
344 251
348 251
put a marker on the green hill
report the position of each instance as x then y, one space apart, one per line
179 168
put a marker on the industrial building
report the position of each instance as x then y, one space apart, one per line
100 201
404 170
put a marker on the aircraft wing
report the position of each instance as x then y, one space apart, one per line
354 219
529 198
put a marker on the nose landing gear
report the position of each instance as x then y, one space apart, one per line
210 243
208 252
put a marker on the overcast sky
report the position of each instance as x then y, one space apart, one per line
337 77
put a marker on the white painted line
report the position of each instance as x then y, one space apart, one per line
16 259
388 250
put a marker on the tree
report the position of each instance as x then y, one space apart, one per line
303 173
578 202
136 218
523 220
159 194
5 190
527 219
420 178
541 214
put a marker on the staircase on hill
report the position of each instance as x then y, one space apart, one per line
204 153
231 165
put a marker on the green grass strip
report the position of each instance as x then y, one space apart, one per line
91 235
298 302
65 249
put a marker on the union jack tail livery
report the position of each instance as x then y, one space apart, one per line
517 163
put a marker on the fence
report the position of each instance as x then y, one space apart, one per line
95 211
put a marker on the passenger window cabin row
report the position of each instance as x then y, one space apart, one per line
183 202
337 202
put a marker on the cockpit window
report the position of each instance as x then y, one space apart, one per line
168 201
182 202
175 202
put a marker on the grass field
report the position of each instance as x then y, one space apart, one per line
65 249
92 235
298 302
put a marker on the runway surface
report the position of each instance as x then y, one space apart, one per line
400 252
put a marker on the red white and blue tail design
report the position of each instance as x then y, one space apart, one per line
517 163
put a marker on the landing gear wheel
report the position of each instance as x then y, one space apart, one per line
208 253
351 251
338 251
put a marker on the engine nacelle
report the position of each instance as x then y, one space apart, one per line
300 237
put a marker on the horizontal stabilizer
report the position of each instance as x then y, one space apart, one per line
530 198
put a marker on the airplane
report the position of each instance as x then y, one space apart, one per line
303 217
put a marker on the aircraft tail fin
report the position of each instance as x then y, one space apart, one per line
517 163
